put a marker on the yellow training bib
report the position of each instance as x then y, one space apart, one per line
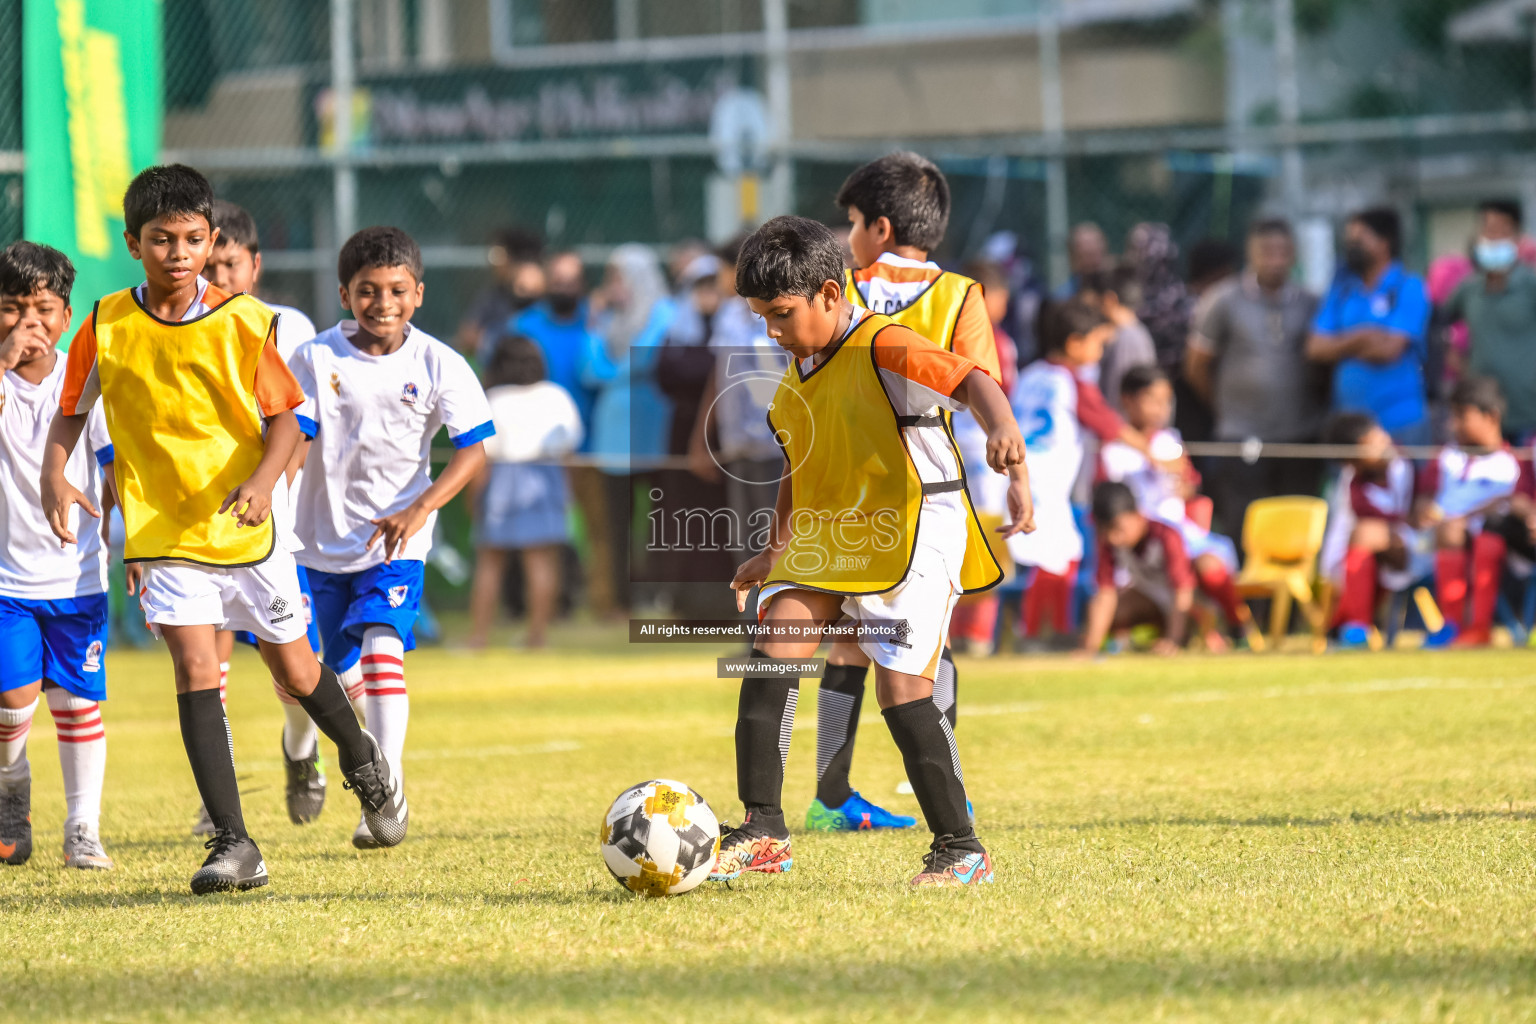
856 492
181 408
933 314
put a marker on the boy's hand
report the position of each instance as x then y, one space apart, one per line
1165 647
397 529
1021 509
58 497
1005 446
249 503
135 574
21 345
751 573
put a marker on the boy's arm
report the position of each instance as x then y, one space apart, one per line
1100 616
1177 627
755 570
57 493
396 529
1005 445
251 502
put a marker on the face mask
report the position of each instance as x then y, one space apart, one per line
1357 258
1497 255
563 304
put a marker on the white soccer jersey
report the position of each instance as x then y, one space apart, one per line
1462 483
32 563
293 330
373 419
1157 491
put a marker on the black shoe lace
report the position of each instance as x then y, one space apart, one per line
938 854
369 784
222 841
11 816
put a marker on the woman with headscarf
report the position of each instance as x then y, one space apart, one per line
1164 306
631 314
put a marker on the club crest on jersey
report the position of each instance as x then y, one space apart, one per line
397 595
92 657
336 383
408 394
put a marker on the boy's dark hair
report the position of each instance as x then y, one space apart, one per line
515 360
1480 393
378 247
1071 318
169 190
1385 223
1211 259
236 226
1271 226
908 190
519 244
987 274
1348 428
788 256
1510 208
1119 281
1140 377
1111 500
27 268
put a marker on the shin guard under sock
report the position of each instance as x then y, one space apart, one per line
211 752
837 722
332 713
927 746
765 717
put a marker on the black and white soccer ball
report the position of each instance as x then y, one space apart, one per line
660 838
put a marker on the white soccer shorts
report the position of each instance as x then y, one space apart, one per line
263 599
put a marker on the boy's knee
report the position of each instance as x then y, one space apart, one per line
197 670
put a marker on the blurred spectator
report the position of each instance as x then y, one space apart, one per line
689 566
1212 262
1372 328
631 315
1161 301
1247 358
998 296
1498 305
517 283
1026 291
1131 344
1144 574
558 325
520 497
1087 253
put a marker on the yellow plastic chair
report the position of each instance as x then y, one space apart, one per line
1282 538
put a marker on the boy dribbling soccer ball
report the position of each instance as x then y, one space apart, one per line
846 537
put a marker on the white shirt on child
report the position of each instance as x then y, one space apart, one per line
33 565
534 422
373 419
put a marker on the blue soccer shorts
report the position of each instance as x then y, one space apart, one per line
309 615
61 641
347 603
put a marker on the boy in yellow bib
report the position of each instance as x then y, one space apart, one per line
898 211
872 522
202 408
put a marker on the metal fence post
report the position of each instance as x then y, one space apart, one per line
1053 124
344 180
776 49
1288 99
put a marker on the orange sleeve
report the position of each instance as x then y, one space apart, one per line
277 390
974 338
78 366
919 360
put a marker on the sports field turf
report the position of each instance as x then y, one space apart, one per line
1234 838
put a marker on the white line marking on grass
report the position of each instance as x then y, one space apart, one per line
1351 689
552 747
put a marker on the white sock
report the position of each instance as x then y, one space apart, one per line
352 681
299 732
82 754
224 684
389 709
15 724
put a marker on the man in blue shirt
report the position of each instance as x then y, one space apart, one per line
1372 329
558 325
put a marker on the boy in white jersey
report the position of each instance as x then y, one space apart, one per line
235 266
376 392
1146 398
53 601
1054 404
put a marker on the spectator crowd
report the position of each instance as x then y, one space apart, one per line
632 451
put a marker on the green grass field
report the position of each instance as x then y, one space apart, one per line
1235 838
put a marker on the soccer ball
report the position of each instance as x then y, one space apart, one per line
660 838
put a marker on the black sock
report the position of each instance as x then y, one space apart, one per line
837 720
765 716
333 715
211 752
946 686
927 746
